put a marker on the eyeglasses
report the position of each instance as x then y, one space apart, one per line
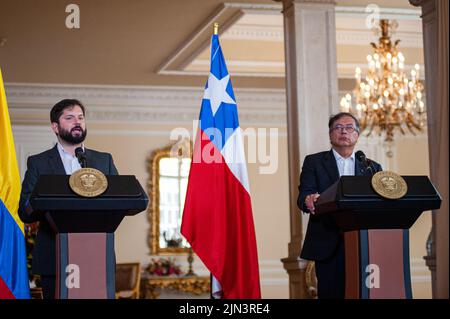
349 128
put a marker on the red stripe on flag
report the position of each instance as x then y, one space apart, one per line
218 223
5 293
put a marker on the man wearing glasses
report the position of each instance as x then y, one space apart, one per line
323 242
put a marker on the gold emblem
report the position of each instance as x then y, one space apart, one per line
88 182
389 185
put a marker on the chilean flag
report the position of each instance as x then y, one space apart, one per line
217 217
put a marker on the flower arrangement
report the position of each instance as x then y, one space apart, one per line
30 231
163 267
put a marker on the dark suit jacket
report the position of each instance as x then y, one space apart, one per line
50 163
319 172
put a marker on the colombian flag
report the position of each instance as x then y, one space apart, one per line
13 264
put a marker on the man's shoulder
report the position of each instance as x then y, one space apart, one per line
43 155
317 156
98 154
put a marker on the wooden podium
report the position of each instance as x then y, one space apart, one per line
377 263
84 227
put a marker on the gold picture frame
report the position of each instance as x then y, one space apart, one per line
179 149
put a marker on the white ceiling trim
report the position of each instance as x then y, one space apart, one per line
385 13
36 94
255 33
238 73
355 37
30 103
244 63
355 11
278 67
345 70
343 36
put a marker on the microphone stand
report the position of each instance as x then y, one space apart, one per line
369 167
82 161
79 153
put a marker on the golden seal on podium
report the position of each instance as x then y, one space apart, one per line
88 182
389 185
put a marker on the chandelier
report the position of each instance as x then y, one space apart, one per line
385 100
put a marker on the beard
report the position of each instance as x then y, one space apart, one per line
70 138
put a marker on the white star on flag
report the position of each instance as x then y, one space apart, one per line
216 92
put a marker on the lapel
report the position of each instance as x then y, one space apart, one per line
90 159
359 168
55 162
329 162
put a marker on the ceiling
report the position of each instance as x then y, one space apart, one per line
255 46
166 43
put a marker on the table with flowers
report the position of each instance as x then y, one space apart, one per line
164 274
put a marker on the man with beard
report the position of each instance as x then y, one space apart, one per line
323 242
67 119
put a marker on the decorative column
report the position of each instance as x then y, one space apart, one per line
312 96
435 37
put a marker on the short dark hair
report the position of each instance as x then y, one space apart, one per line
59 108
336 117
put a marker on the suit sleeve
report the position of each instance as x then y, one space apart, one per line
112 167
26 213
308 184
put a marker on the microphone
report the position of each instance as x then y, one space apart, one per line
79 153
360 156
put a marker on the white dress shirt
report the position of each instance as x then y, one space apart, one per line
346 166
70 162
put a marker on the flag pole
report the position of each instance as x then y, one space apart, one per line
233 258
210 286
215 32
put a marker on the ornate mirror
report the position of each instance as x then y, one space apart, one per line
169 172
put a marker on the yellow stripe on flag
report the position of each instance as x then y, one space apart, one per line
9 170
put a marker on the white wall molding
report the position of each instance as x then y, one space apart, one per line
255 33
385 13
349 36
237 73
359 11
245 63
365 37
152 104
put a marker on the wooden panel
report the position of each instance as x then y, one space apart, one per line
352 281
